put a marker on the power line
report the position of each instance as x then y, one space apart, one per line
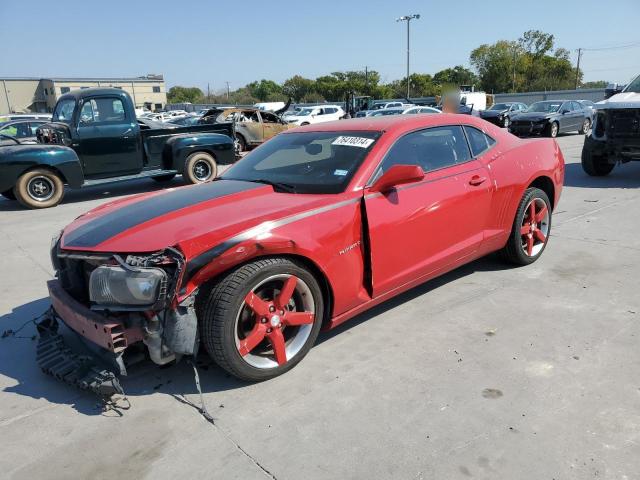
629 45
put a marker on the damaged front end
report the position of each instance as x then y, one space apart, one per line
123 307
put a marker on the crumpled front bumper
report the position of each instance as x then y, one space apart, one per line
97 363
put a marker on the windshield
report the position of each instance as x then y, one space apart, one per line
634 86
500 106
64 110
544 107
309 162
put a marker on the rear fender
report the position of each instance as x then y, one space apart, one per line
216 144
16 160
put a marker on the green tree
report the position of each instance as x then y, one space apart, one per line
179 94
594 84
495 65
298 87
266 90
457 76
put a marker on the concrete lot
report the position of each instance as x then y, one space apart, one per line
489 372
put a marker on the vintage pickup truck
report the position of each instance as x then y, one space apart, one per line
95 138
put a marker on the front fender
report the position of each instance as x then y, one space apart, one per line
216 144
17 159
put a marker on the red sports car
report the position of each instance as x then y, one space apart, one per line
310 229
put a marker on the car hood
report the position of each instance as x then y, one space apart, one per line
492 113
193 219
620 100
533 116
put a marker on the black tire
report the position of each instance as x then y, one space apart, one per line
595 165
241 143
552 130
219 306
164 178
9 195
515 251
304 123
39 188
584 128
506 122
200 167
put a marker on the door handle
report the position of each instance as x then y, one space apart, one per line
477 180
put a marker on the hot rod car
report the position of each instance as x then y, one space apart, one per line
95 138
315 226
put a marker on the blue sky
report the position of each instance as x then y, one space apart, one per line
200 42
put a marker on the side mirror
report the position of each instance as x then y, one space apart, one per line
397 175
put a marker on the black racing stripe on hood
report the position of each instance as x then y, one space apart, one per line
121 219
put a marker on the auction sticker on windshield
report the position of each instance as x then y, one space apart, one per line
360 142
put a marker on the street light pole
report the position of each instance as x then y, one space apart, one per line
408 18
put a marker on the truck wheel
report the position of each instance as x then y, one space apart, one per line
39 188
164 178
262 318
595 165
9 195
241 143
200 167
552 130
530 230
586 125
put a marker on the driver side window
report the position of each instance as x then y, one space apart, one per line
431 149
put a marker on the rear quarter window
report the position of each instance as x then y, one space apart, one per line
478 141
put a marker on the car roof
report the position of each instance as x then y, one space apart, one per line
390 123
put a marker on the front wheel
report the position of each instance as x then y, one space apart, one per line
595 165
262 318
530 230
200 167
39 188
552 130
240 143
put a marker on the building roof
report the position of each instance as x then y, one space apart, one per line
147 78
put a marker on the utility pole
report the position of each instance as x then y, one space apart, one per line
514 69
578 67
366 78
408 18
227 90
208 93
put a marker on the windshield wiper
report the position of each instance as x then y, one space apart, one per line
286 187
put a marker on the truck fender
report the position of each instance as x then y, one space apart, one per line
216 144
16 160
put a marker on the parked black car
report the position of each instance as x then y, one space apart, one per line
551 117
500 114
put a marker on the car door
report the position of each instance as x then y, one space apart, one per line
271 125
108 141
421 228
580 113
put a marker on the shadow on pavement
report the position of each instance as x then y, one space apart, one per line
18 356
622 176
106 191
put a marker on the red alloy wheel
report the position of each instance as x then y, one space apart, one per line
275 321
535 227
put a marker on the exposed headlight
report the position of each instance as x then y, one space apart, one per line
115 286
53 251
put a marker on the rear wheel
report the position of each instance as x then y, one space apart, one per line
240 143
261 319
595 165
39 188
200 167
530 230
586 125
9 195
552 130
